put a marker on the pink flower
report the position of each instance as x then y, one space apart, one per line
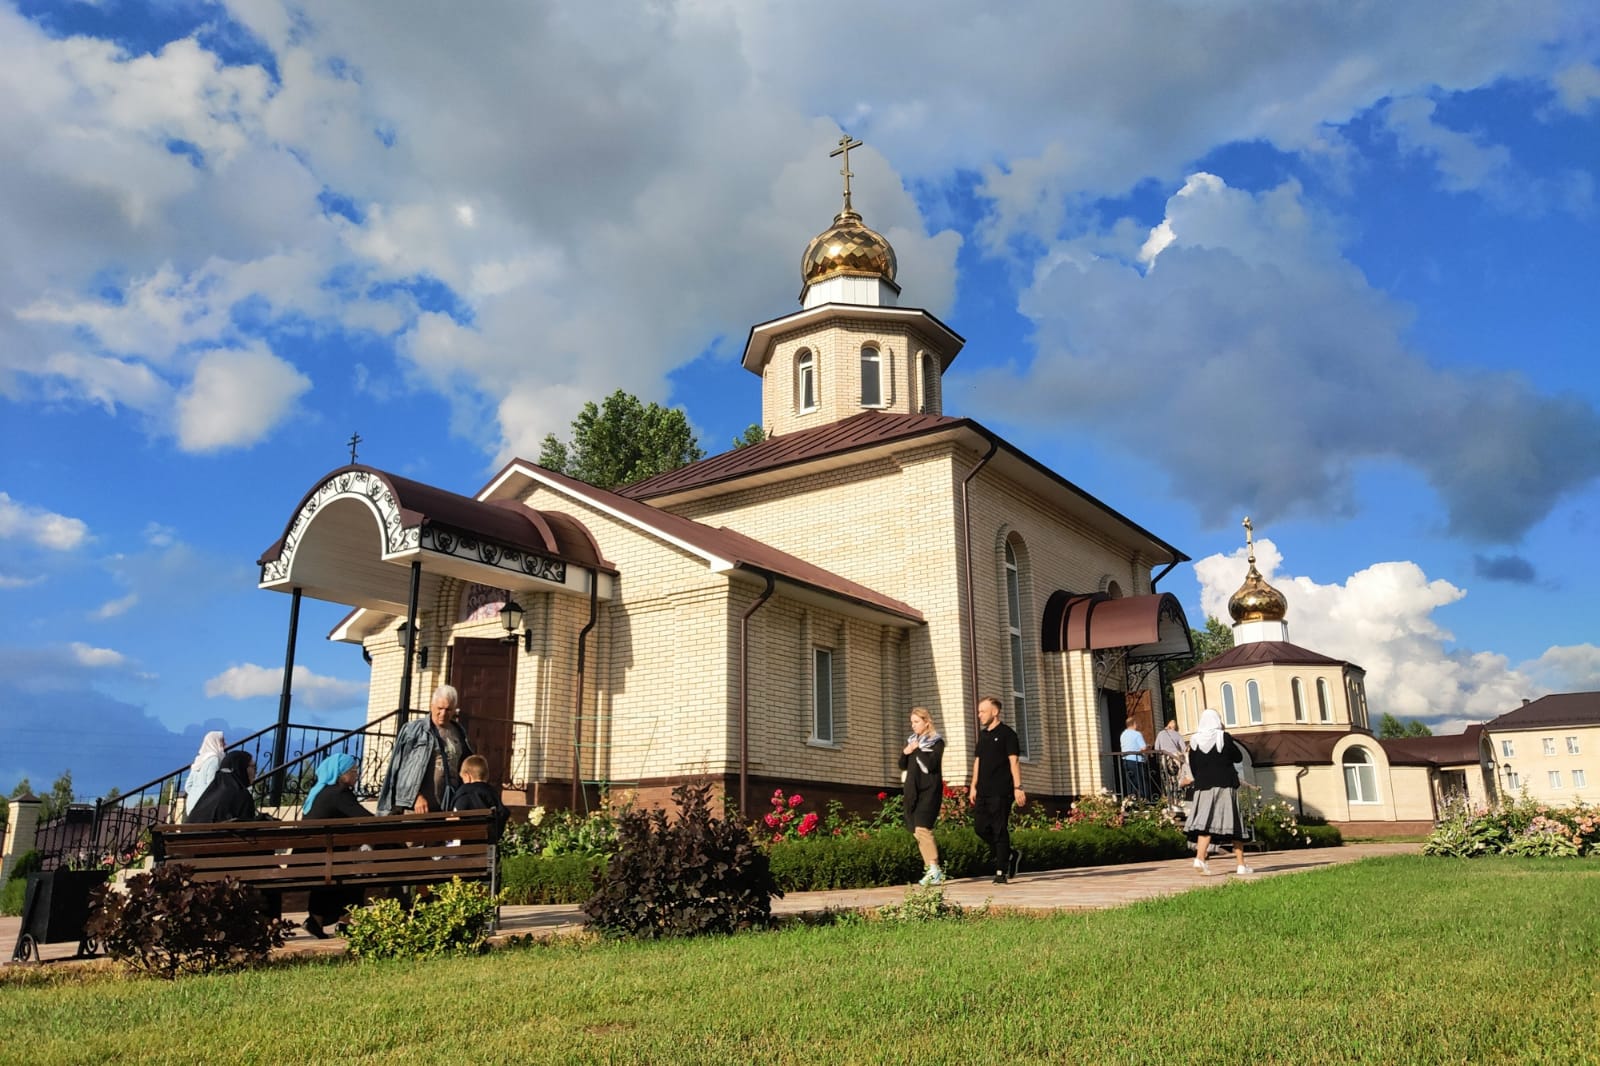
795 800
772 821
807 824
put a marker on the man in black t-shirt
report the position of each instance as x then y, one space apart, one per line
995 785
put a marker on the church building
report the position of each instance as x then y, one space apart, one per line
767 617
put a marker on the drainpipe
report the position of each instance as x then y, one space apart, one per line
411 641
280 743
577 713
1164 572
744 694
1300 800
966 544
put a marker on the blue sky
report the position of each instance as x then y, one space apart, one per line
1332 265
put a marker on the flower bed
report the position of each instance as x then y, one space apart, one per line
1516 827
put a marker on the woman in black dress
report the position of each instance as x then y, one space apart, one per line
227 798
332 797
1212 754
923 761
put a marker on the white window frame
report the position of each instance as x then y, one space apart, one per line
1252 699
1019 664
1230 713
805 372
1572 746
1555 778
1508 750
1324 701
1297 690
1361 785
1549 747
929 378
1579 779
871 356
1513 781
822 702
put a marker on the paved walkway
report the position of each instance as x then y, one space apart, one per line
1086 888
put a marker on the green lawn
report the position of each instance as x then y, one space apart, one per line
1390 960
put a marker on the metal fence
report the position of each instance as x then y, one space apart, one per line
112 831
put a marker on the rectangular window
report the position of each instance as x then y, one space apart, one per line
1506 749
822 697
1572 745
871 378
1549 746
1555 778
1230 716
1299 692
1578 779
1252 692
1513 781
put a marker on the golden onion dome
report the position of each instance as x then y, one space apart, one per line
848 246
1256 601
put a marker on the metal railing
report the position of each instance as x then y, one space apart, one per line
1156 778
111 831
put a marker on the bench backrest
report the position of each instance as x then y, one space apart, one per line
405 849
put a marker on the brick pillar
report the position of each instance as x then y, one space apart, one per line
19 832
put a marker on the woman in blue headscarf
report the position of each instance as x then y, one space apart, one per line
332 797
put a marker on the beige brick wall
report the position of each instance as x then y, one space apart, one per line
1193 694
1533 767
836 346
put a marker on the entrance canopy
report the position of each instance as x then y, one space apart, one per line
354 536
1150 627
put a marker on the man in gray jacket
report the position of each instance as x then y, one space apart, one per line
425 766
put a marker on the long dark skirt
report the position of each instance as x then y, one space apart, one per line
1216 814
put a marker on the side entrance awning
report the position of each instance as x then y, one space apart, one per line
1151 627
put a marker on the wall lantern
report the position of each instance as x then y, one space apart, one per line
511 616
422 649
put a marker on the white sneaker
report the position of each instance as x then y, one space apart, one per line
1200 864
1243 869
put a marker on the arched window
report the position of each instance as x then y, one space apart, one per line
1360 776
1230 716
1324 703
1183 697
1298 690
871 377
805 381
1252 697
930 383
1019 671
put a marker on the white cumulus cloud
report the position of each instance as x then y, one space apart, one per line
86 655
46 529
113 608
236 398
249 681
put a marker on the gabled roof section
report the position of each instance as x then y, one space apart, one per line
861 433
865 430
1264 653
1559 709
721 548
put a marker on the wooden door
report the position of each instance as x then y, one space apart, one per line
484 673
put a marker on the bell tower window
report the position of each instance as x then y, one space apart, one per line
871 377
805 381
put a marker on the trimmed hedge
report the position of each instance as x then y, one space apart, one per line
890 857
556 879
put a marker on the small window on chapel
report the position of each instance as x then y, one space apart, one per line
805 381
871 377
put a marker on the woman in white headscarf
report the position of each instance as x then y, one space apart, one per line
1212 755
204 767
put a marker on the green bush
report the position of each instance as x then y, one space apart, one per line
452 919
167 923
536 879
12 894
923 903
1273 835
1521 826
695 874
29 862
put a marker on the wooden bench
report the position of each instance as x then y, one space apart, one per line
275 857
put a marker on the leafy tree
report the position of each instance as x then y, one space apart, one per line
1390 727
1208 643
59 797
22 789
622 441
5 812
753 434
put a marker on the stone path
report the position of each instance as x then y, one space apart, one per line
1087 888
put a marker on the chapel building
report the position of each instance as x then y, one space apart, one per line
767 617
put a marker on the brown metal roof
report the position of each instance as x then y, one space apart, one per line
1289 747
503 522
1559 709
725 543
1095 621
1455 749
1264 653
863 430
